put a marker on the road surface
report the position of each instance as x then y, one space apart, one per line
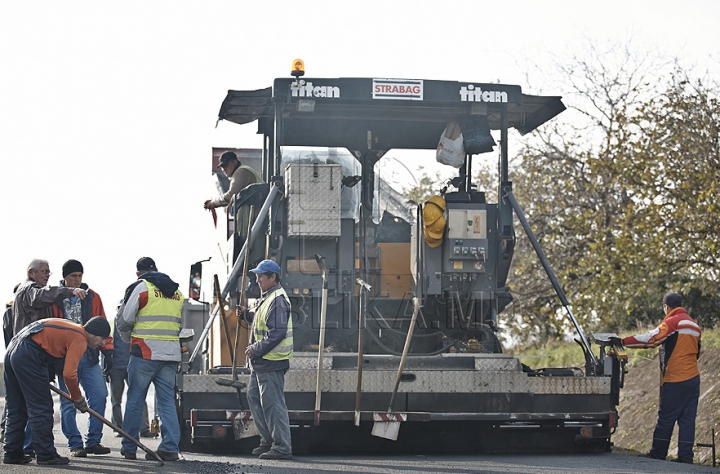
609 463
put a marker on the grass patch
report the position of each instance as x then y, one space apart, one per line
711 338
555 354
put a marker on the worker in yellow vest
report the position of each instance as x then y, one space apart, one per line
269 354
150 321
241 176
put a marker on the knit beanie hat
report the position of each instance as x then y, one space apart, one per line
71 266
98 326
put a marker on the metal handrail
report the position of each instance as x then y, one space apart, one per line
237 268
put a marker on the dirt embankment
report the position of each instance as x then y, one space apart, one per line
639 404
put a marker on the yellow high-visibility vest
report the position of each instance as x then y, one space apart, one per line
284 350
161 318
258 179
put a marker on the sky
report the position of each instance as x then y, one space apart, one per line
108 109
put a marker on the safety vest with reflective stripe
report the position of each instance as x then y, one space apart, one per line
284 350
258 179
161 317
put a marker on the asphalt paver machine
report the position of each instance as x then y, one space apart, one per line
395 305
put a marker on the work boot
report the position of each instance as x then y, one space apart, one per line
164 455
127 455
78 453
22 460
57 460
272 454
97 449
260 450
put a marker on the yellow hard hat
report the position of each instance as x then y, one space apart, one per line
436 229
432 243
438 201
431 213
434 221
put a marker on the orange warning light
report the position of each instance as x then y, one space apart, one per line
298 68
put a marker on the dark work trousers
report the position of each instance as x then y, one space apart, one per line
27 446
118 379
678 403
28 399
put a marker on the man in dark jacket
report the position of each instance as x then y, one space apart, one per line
8 319
118 378
33 298
89 372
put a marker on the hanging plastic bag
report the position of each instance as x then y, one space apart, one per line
450 150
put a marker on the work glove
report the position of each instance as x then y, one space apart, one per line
107 362
81 405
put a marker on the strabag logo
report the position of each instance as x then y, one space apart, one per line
403 89
471 93
306 89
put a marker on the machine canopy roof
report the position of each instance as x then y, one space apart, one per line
380 114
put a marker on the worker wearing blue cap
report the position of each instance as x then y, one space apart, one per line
269 354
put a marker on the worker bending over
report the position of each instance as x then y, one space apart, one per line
30 361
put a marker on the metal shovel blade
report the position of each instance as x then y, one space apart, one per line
244 428
387 425
386 429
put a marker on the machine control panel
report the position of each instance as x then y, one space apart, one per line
467 255
467 244
476 251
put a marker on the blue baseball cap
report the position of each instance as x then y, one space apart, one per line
267 266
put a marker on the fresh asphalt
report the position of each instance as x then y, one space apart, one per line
610 463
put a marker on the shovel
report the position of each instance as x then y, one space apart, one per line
364 289
243 426
223 320
321 346
111 425
389 424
